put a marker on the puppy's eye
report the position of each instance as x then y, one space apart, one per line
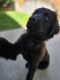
46 16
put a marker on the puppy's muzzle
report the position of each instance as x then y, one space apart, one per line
37 20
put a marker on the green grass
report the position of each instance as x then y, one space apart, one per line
12 19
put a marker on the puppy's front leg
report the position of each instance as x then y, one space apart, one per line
32 68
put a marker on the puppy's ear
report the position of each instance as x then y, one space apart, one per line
54 27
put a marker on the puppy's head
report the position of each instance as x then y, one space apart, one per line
43 24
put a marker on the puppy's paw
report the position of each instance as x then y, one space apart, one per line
44 63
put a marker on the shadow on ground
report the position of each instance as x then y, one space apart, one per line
6 22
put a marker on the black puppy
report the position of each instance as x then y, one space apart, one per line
41 26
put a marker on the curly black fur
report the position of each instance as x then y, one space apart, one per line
41 26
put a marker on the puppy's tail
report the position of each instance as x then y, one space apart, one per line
7 49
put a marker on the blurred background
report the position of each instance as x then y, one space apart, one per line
15 13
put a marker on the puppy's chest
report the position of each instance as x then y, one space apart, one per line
33 46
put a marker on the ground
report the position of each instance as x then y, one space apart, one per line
15 70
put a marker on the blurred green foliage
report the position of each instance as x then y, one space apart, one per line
12 19
6 1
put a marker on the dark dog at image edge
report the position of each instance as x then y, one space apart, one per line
41 26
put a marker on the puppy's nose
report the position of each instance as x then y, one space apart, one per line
40 31
34 19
